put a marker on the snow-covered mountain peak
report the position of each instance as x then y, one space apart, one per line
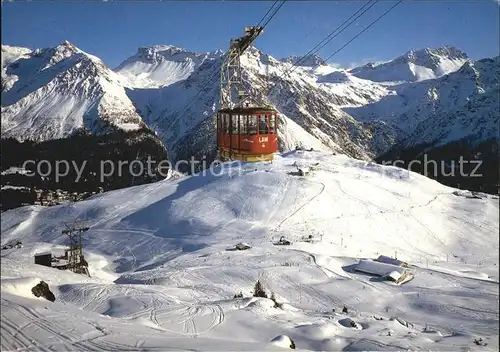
70 46
256 60
14 48
218 53
160 48
160 53
441 61
53 92
160 65
348 89
61 52
311 60
49 57
431 57
415 65
339 76
460 104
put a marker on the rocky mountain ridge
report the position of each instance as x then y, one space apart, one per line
430 96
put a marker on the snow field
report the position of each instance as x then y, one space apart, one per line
163 274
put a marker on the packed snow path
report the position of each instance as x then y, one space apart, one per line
164 272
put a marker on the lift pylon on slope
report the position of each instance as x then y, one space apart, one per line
246 128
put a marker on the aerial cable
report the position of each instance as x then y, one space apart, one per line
294 66
262 19
331 36
217 72
365 29
274 13
312 51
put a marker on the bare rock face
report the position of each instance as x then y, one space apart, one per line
42 290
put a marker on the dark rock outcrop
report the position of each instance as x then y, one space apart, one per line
42 290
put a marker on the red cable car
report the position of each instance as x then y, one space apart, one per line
244 132
247 134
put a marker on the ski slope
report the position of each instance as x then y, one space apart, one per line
164 273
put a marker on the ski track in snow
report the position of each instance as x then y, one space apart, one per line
176 295
302 206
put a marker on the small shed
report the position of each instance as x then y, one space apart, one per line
44 259
303 171
394 276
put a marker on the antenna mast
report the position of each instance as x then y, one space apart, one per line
231 72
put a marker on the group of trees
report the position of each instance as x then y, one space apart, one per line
75 164
459 164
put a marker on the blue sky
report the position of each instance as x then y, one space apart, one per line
114 30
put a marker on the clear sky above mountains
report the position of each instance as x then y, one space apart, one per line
114 30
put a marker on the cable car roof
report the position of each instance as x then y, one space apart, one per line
249 110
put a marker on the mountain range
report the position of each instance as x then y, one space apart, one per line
423 99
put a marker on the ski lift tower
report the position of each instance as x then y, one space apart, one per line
76 260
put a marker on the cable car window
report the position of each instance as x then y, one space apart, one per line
234 120
243 124
252 124
224 123
272 123
263 124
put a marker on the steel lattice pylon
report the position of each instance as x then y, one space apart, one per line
232 91
76 261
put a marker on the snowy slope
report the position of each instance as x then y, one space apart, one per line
180 111
13 53
476 121
415 65
423 111
160 65
359 91
61 90
162 274
9 55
